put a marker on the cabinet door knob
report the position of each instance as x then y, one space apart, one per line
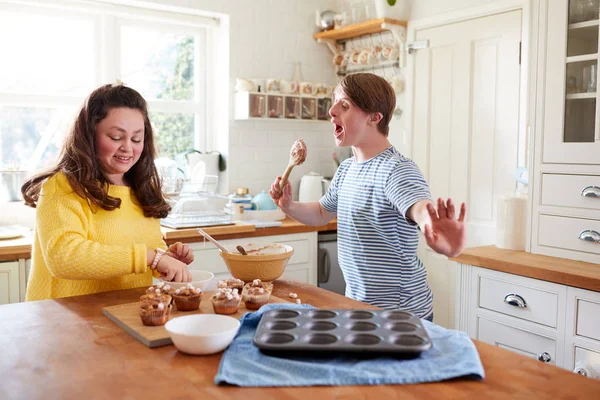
591 191
544 357
514 299
590 236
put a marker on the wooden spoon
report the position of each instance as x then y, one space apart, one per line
213 241
241 250
297 157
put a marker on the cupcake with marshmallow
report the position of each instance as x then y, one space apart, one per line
256 294
187 298
155 309
226 301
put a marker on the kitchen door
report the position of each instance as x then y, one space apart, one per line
466 129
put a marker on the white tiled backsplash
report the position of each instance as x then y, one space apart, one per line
259 152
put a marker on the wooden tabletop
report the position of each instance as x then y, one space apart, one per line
552 269
14 249
67 349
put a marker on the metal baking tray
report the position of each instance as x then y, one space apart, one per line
329 330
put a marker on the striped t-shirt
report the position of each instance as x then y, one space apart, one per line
377 243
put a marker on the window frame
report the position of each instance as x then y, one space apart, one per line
108 18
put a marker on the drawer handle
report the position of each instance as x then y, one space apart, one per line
581 368
513 299
591 191
544 357
590 236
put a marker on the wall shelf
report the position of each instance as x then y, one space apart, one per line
364 28
274 106
335 39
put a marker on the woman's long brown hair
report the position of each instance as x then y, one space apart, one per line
78 160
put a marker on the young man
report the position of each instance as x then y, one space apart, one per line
380 199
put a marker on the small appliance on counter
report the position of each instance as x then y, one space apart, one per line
312 187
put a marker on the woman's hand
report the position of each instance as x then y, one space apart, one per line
173 270
181 252
446 235
282 198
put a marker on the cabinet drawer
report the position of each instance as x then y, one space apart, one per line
301 251
588 318
566 191
587 363
564 233
540 305
517 340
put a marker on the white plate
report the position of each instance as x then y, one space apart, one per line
12 232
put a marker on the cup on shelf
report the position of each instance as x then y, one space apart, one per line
244 85
288 87
592 78
338 21
363 56
273 85
338 59
390 53
308 88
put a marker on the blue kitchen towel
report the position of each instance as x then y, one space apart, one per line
452 355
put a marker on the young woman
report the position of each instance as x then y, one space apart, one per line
380 198
98 209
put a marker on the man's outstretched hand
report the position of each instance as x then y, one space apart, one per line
446 235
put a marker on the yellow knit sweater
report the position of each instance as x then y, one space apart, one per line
77 251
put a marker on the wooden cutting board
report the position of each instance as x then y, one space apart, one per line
127 316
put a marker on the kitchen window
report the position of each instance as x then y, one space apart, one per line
56 53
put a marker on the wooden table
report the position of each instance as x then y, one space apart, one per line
66 349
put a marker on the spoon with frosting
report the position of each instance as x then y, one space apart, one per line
297 157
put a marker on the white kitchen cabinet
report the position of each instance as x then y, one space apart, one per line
553 323
517 313
518 340
565 207
301 266
582 349
10 287
571 96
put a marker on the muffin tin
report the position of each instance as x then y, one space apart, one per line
327 330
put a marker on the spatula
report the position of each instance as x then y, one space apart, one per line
213 241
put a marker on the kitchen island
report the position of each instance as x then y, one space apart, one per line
67 349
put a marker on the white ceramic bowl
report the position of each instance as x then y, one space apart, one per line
200 279
202 333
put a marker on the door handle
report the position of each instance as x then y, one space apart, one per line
513 299
324 266
591 191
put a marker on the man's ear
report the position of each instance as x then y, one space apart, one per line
375 118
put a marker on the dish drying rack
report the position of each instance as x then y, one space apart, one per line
198 211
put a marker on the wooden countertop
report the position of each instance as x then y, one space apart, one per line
14 249
66 348
558 270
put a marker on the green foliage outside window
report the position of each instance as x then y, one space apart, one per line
175 132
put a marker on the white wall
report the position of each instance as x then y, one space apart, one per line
427 8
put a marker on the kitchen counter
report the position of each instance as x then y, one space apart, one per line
558 270
66 348
21 248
